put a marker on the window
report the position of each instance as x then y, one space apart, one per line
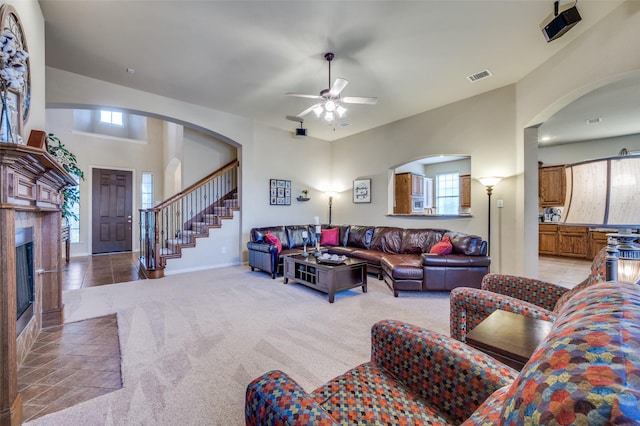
448 192
147 190
111 117
146 200
74 224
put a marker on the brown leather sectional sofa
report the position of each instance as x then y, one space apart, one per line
397 255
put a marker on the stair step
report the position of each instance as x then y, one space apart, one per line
211 219
231 202
221 211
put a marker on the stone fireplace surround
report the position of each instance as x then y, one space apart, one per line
30 196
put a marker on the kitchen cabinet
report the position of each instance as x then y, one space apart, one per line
465 191
597 240
548 239
572 241
408 186
417 185
551 186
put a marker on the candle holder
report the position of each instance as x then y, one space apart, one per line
304 243
318 235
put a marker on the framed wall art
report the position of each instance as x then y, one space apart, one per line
279 192
362 191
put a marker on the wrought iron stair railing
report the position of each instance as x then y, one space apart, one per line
176 222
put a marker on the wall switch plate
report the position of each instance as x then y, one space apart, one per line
500 203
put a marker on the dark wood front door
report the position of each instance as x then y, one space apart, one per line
112 210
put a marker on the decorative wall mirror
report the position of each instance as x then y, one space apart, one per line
10 20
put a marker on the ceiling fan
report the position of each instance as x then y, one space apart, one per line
331 103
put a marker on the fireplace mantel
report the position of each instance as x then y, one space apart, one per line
31 182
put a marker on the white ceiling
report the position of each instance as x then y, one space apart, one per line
242 57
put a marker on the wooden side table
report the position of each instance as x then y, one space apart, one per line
510 338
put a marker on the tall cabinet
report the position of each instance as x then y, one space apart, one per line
408 186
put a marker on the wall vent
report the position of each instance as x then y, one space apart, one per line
479 76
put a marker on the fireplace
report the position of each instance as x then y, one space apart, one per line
25 282
30 197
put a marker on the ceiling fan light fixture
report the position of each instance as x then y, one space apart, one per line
329 116
330 105
340 110
318 110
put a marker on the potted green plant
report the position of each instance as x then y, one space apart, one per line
69 162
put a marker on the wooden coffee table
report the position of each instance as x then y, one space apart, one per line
508 337
327 278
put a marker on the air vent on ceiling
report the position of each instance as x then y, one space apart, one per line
479 76
344 124
594 120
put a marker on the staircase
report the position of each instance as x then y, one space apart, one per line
178 222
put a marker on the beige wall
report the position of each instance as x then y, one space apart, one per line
33 25
489 127
203 153
94 151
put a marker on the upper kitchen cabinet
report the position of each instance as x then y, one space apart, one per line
551 186
465 191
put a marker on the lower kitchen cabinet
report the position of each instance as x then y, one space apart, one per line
572 241
597 240
548 239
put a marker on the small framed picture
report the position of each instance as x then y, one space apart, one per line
279 192
362 191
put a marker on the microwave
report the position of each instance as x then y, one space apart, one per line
417 205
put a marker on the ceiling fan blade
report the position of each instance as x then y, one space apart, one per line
338 85
307 111
302 95
359 100
294 118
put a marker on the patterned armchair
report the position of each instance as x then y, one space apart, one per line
526 296
415 376
586 371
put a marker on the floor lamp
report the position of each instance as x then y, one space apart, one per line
330 195
489 183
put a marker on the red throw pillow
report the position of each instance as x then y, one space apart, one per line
329 237
272 239
442 247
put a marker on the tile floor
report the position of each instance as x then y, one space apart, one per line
79 361
70 364
91 271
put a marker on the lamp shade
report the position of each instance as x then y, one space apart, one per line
603 192
490 180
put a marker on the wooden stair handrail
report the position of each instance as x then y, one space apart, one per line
193 187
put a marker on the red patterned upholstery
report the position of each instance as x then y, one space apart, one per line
415 377
525 296
585 372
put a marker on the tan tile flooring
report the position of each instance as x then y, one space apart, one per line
79 361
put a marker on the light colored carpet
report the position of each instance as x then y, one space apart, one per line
192 342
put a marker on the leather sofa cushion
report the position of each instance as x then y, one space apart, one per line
257 235
370 256
402 266
341 250
294 234
471 245
386 239
360 236
455 260
417 241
